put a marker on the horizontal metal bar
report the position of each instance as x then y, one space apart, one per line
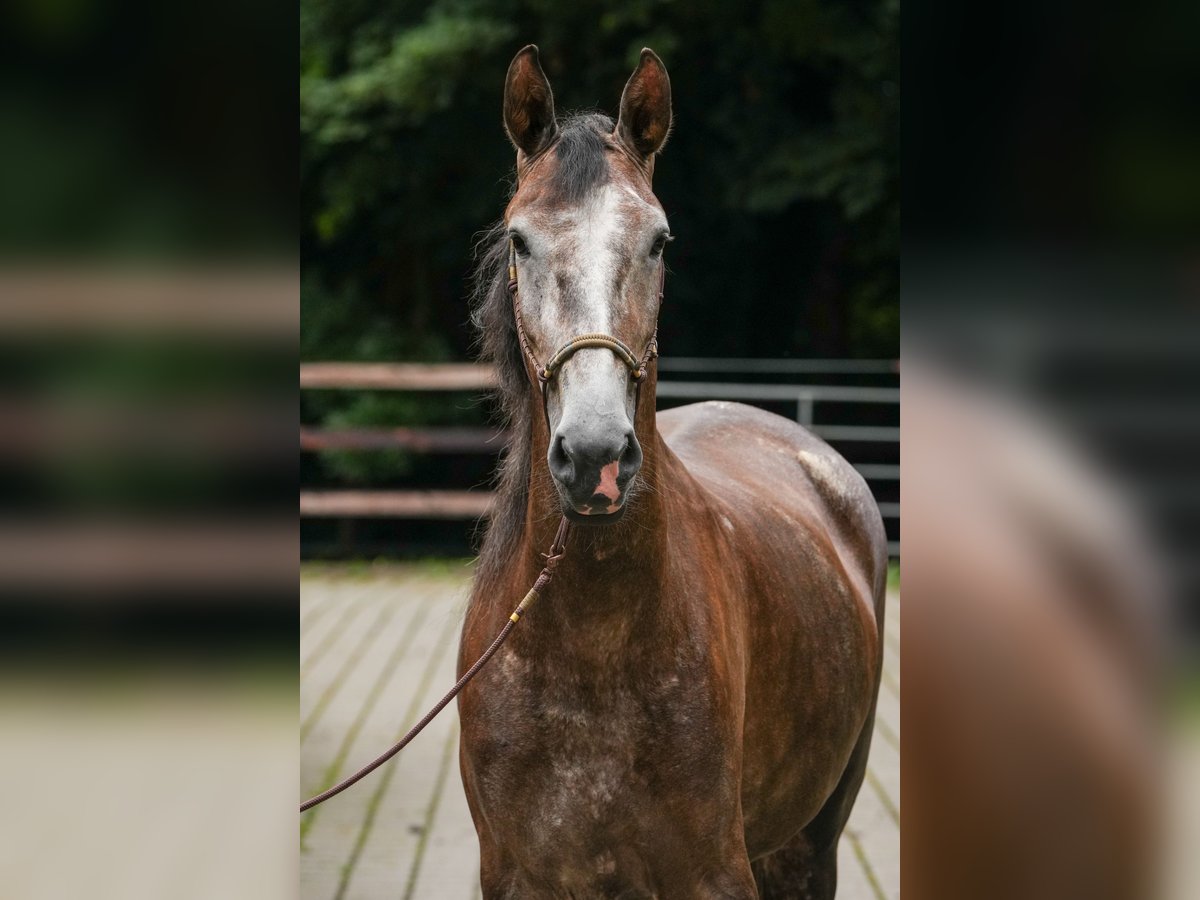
779 366
401 504
870 433
889 510
877 472
715 390
894 549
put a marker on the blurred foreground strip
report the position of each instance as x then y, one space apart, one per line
149 320
1033 661
85 557
147 433
201 301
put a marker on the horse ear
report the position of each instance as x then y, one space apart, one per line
645 117
528 103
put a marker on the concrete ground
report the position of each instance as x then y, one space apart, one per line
377 649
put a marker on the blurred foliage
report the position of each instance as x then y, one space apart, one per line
780 180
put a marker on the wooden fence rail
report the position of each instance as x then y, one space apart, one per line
396 376
400 504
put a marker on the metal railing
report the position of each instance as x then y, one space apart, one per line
470 504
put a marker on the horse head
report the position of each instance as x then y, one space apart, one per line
587 237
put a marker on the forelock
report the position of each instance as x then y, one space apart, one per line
581 161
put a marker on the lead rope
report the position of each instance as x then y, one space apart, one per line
639 369
558 550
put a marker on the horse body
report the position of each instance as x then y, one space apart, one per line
688 710
803 534
688 695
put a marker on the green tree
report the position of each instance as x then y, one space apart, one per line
780 179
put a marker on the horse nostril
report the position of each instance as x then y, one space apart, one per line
560 457
631 456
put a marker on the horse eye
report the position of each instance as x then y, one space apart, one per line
660 244
519 244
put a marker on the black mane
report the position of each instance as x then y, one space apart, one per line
496 338
582 166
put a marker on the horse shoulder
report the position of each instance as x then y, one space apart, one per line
801 526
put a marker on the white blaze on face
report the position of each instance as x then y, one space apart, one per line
581 250
596 383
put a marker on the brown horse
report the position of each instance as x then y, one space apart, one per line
688 710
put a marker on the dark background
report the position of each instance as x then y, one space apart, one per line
780 181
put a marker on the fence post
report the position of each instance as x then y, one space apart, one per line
804 408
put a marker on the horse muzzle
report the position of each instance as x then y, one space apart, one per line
593 471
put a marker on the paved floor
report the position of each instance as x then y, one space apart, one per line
377 648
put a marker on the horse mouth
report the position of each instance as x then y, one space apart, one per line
599 509
603 507
604 517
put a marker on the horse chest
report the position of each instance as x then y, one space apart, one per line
594 760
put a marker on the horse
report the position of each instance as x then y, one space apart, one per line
688 712
1036 615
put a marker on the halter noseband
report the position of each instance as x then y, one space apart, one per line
637 367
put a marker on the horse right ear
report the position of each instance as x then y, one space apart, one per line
528 104
645 117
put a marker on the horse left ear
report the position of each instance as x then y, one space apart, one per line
645 118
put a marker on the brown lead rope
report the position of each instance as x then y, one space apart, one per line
557 551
